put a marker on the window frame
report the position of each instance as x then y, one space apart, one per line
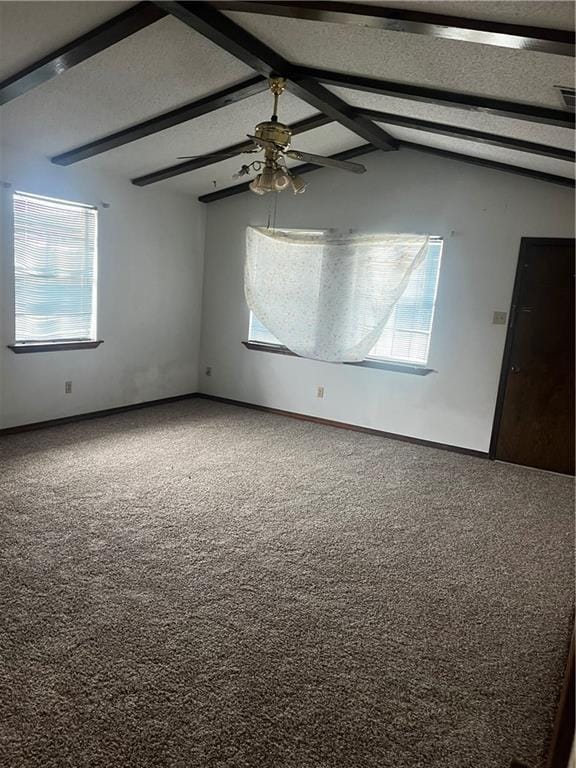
52 345
376 363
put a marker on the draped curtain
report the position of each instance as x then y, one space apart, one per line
327 296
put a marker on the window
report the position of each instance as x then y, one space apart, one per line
54 270
406 337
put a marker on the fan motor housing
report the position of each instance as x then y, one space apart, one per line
277 132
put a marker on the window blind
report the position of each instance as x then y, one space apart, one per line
406 336
55 269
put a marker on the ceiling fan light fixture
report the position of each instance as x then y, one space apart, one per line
257 186
298 184
274 138
280 180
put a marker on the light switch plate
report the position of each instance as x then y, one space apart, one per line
499 318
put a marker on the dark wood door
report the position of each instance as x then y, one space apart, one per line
535 416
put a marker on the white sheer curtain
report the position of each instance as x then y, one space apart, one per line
327 296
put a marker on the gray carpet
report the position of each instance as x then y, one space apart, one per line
203 586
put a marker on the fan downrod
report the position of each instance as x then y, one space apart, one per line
273 130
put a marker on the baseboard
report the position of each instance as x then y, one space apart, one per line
344 425
94 414
242 404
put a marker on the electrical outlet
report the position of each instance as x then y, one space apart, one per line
67 387
208 370
320 392
499 318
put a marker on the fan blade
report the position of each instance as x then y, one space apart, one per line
223 155
330 162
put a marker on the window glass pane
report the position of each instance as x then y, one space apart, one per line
259 333
55 269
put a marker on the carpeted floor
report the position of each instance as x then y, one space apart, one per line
198 585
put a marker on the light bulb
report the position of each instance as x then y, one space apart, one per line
281 180
298 185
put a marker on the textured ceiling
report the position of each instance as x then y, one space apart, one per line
154 70
30 30
556 14
550 135
409 58
167 64
510 156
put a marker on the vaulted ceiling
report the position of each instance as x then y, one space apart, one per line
130 87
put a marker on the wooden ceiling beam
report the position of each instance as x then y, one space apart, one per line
499 34
98 39
563 181
444 98
183 114
470 134
219 29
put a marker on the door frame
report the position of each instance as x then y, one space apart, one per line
525 242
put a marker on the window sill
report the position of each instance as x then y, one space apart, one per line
383 365
25 347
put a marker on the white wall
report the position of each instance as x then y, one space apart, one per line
482 214
149 298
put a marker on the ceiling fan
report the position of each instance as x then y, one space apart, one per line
273 138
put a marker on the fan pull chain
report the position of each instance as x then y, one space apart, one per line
269 214
275 219
273 212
